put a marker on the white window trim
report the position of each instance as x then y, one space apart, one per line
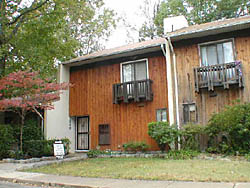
215 42
161 109
128 62
196 112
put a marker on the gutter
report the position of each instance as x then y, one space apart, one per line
176 84
167 55
171 98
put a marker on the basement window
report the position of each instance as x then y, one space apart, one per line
189 113
104 134
161 114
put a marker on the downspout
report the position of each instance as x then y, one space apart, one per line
176 84
167 55
176 89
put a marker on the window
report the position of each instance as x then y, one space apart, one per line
136 70
189 113
217 53
161 114
104 134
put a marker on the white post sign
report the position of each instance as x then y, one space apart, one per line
59 149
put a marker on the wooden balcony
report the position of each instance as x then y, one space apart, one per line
132 91
222 75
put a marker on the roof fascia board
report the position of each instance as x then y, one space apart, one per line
114 56
210 31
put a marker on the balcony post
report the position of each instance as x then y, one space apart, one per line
125 92
115 94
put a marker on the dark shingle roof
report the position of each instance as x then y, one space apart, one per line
193 31
119 50
211 28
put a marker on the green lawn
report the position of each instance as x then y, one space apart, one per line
154 169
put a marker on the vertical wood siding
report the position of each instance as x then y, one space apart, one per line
92 95
187 59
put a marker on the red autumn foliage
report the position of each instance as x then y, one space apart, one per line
23 91
26 90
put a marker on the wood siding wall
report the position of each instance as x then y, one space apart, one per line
187 59
91 96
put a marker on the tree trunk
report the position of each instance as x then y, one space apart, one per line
21 130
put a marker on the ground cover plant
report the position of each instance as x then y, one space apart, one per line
154 169
135 146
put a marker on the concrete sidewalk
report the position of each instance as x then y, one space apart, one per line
9 172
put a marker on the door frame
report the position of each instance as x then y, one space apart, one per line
76 133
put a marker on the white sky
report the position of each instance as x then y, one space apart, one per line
129 10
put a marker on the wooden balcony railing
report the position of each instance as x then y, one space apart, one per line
218 75
132 91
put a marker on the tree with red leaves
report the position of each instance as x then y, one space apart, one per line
25 91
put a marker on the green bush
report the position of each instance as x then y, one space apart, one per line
6 140
39 148
31 131
135 146
94 153
17 155
190 136
229 130
181 154
247 157
163 133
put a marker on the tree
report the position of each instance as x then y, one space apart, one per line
200 11
25 91
35 34
148 28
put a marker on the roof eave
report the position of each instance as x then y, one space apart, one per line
120 54
209 31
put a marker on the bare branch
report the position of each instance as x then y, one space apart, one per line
16 28
38 113
27 11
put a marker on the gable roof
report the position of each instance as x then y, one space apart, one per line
122 51
211 28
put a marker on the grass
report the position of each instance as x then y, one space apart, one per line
153 169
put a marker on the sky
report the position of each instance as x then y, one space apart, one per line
130 11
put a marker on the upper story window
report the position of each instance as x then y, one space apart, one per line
135 70
220 52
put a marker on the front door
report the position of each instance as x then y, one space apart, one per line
82 133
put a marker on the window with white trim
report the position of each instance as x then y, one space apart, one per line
189 113
161 114
217 53
135 70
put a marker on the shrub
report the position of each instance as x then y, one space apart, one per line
17 155
181 154
163 133
229 130
6 140
247 157
31 131
135 146
94 153
39 148
190 136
